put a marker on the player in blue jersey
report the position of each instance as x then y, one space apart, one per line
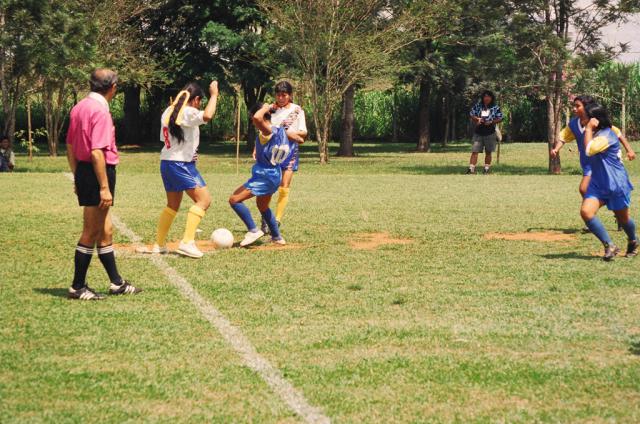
272 149
575 132
609 184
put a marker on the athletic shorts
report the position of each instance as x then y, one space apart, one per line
586 170
180 176
486 143
87 185
264 180
292 165
614 203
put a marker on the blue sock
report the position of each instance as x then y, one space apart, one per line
245 215
598 230
630 229
270 219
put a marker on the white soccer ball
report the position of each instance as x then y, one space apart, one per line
222 238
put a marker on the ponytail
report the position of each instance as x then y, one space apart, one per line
174 121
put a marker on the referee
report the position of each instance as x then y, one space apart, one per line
93 156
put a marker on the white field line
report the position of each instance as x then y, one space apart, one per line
232 334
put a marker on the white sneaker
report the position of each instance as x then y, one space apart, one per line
279 241
156 249
251 238
190 250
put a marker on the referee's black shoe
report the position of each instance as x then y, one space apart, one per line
85 293
124 288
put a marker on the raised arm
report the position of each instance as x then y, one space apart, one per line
210 110
263 125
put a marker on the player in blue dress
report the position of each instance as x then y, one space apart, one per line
273 148
609 184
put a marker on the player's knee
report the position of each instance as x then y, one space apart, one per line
586 214
233 200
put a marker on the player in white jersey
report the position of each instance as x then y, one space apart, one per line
291 117
180 134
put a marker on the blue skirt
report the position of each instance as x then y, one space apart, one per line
180 176
264 180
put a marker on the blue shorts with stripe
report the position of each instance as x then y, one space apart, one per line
180 176
614 202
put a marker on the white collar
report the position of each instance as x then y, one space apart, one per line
99 98
580 127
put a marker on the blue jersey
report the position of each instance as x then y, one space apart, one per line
266 144
609 177
578 132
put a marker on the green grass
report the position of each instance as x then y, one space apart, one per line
449 328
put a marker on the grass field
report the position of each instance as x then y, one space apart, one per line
451 327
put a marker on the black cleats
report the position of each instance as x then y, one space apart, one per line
85 293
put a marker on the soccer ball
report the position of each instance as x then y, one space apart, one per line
222 238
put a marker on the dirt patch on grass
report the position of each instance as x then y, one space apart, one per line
370 241
130 147
543 236
272 246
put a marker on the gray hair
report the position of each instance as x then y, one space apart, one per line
102 80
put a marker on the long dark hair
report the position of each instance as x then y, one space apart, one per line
584 99
595 110
194 91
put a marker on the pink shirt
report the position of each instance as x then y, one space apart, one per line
91 128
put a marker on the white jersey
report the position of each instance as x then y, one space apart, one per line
186 151
290 117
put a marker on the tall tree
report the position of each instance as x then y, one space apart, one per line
336 44
546 34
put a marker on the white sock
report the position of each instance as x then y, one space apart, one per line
472 167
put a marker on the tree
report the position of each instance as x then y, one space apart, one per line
546 34
17 45
336 43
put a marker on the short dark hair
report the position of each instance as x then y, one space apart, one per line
595 110
284 87
584 99
4 137
488 93
102 80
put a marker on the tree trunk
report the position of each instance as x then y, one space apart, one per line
53 101
447 122
131 119
423 118
394 135
453 122
252 95
346 134
552 135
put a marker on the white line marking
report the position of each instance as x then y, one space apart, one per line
232 334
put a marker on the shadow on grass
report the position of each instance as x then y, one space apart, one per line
55 292
462 169
555 230
634 346
571 255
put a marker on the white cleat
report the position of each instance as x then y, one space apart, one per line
190 250
279 241
251 238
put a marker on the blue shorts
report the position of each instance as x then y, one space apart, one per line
264 180
614 203
180 176
292 165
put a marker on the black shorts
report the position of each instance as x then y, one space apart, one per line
87 185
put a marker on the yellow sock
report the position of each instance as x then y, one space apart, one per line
283 199
194 217
164 223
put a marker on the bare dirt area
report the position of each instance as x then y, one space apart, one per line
371 241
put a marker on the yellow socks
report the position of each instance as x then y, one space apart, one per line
164 224
283 199
196 214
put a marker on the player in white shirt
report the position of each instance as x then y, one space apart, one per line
289 115
180 134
